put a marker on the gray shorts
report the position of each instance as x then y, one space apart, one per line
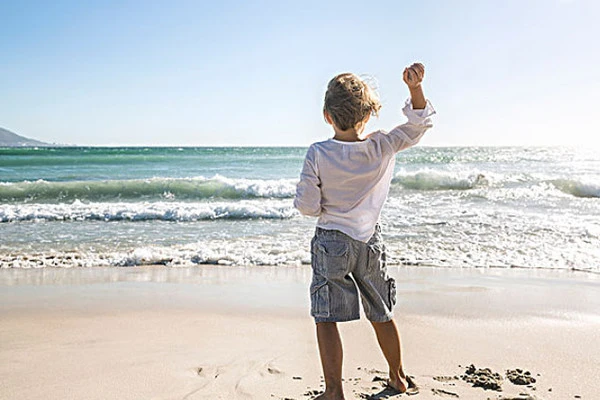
340 264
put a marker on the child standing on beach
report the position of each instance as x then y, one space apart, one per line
345 181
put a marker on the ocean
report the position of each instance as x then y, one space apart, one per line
456 207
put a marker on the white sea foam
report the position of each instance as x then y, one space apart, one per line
231 252
140 211
440 180
512 185
464 245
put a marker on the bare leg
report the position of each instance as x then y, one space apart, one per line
389 341
330 349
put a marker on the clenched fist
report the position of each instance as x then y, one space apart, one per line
413 75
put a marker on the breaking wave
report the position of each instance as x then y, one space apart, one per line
165 211
148 189
438 180
577 188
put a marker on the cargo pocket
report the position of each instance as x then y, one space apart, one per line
333 257
319 300
377 256
391 293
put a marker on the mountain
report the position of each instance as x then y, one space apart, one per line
11 139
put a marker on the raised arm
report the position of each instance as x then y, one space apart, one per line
418 111
413 76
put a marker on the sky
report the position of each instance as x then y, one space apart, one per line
254 73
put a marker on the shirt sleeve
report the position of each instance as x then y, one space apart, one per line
308 190
408 134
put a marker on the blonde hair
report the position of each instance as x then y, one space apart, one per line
349 101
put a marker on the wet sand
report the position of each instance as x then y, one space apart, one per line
216 332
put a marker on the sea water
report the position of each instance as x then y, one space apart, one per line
454 206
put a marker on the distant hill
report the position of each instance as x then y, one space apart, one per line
11 139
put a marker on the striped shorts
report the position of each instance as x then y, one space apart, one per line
344 267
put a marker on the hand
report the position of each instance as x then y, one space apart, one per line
413 75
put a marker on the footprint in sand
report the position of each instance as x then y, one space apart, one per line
444 393
208 375
208 372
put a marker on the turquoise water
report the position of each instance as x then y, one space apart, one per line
119 163
455 207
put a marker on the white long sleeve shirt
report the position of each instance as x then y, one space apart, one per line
346 183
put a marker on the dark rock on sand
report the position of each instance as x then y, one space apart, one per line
483 378
520 377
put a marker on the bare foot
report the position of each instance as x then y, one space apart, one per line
397 384
403 384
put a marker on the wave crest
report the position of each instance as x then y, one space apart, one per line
164 211
437 180
155 188
577 188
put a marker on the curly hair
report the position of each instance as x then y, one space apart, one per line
349 101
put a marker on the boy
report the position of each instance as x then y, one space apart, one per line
344 182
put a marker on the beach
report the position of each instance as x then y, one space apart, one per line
183 273
167 168
220 332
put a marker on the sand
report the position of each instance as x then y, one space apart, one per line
216 332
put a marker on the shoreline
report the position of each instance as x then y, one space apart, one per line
421 290
215 332
36 262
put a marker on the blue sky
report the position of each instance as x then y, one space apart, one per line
254 72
